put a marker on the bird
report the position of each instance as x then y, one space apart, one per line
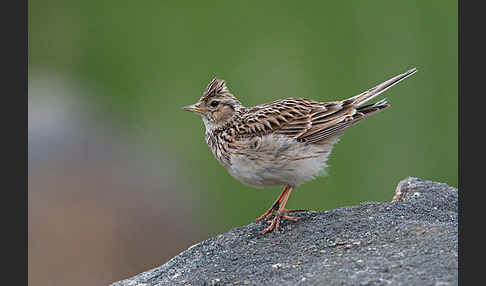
282 143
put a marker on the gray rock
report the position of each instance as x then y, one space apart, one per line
412 240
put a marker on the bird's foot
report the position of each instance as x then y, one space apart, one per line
280 211
275 222
283 216
269 212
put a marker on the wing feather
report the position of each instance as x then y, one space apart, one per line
301 119
312 121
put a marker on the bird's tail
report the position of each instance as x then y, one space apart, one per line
373 108
371 93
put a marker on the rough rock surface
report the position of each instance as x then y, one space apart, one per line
412 240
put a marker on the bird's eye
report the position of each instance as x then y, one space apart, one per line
214 103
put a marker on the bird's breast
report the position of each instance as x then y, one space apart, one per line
219 147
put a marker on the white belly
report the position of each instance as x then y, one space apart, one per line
279 160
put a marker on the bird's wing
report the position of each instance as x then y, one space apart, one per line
311 121
302 119
326 124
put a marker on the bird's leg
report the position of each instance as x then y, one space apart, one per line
274 207
281 211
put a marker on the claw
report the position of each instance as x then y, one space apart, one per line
275 222
280 204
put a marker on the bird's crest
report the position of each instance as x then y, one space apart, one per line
216 87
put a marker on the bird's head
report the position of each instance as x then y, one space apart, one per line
217 105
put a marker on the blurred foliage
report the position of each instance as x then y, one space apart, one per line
148 59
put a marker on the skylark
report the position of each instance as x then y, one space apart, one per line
281 143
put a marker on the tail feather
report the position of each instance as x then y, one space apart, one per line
368 95
373 108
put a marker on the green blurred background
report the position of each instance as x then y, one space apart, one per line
120 179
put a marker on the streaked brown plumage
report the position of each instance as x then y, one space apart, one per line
285 142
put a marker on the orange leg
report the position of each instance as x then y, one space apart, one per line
274 207
280 205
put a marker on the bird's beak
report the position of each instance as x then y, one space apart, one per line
195 108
